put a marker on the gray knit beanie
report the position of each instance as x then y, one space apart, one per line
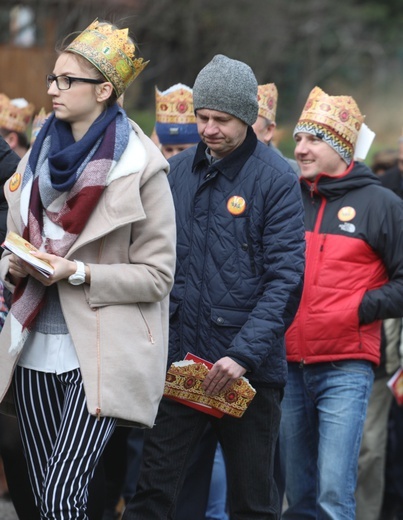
228 86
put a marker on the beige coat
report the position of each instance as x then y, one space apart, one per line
119 323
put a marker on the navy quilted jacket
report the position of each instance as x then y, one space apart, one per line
240 258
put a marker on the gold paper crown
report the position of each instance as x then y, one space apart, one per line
38 123
339 114
267 96
175 105
15 114
111 51
185 382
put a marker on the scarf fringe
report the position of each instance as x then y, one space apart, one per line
18 337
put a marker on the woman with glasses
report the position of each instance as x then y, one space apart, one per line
85 348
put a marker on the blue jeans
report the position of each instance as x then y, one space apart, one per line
248 444
217 501
323 414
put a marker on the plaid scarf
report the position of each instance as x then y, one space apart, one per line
62 182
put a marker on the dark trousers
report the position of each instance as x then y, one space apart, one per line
193 498
248 444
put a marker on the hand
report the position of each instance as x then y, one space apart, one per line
63 268
17 267
222 375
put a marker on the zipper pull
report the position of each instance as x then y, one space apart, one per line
151 338
301 363
98 414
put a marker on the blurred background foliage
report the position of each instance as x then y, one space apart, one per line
350 47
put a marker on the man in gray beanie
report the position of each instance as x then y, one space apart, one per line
238 282
228 86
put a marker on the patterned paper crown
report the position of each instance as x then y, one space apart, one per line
15 114
175 118
267 96
336 119
111 51
185 382
38 123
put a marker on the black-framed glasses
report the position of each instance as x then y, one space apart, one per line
64 82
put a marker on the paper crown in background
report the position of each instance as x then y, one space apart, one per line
111 52
38 123
15 114
337 119
267 97
175 118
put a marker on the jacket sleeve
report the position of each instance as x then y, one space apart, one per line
387 240
283 243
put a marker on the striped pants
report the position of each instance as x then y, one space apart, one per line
62 441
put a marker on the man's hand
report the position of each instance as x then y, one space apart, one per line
222 375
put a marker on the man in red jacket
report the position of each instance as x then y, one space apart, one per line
353 280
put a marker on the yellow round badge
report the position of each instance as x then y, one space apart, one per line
346 214
236 205
15 181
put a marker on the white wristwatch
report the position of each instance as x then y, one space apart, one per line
78 277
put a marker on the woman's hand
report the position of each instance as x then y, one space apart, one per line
63 268
16 268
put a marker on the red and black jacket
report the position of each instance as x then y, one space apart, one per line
354 268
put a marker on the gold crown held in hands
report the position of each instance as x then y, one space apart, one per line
15 114
185 382
111 51
267 96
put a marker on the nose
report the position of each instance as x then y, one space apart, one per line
52 89
210 127
300 148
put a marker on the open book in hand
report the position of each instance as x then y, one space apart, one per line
23 249
183 383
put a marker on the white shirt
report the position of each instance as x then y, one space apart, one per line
53 353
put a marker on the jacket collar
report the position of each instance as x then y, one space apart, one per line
357 175
232 163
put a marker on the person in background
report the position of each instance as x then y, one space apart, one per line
239 275
86 347
393 177
392 507
353 280
175 125
8 164
370 488
265 124
15 122
383 161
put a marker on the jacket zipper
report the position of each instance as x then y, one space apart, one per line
98 408
316 246
150 334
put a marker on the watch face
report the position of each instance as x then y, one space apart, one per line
76 279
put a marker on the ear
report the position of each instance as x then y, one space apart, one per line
269 132
103 91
